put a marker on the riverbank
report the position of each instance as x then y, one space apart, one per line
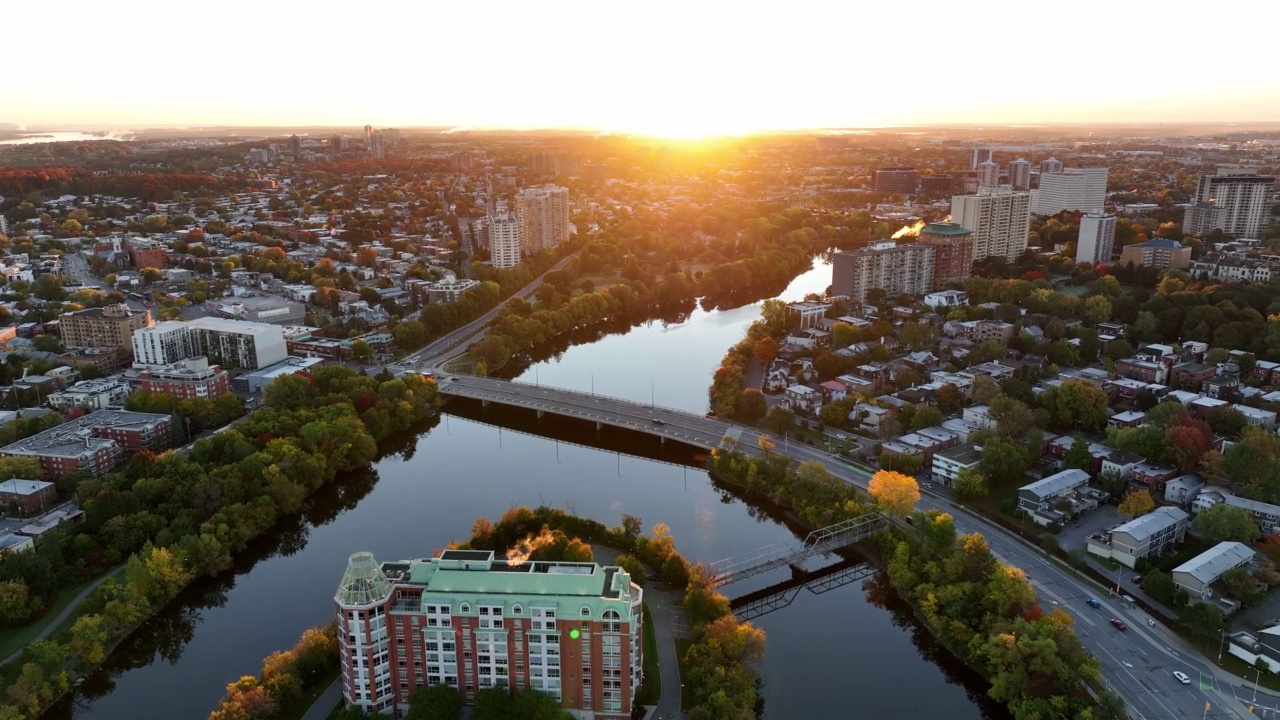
310 429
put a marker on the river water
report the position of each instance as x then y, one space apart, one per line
852 652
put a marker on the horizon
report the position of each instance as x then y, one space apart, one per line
662 69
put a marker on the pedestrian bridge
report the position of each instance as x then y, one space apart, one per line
776 597
819 542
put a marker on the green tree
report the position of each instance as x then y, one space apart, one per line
925 416
1003 461
751 406
1159 585
844 334
16 606
1227 421
969 484
1079 455
438 702
361 352
1097 309
983 389
779 419
1226 522
1076 404
1240 585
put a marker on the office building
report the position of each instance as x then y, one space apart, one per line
96 394
1077 189
544 217
1157 253
470 621
504 240
1049 166
896 269
988 174
1097 237
806 315
295 146
977 156
193 378
259 308
999 218
110 326
229 343
903 181
1235 200
95 443
1020 174
339 144
952 245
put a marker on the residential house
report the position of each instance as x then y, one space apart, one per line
1183 489
1060 446
978 416
870 416
1221 386
1126 419
804 400
1197 574
1039 497
1191 375
1152 475
1119 463
833 391
1152 535
948 463
1265 419
1265 514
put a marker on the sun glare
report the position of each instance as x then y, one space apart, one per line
690 128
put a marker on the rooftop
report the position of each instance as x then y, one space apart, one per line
76 437
1210 564
1141 528
946 228
1057 483
17 486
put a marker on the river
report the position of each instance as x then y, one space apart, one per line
852 652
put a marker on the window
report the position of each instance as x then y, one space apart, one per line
586 611
465 608
517 610
612 621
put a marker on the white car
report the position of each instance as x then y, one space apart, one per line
841 436
1182 677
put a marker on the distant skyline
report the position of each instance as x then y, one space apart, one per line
677 69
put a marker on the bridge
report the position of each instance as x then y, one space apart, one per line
819 542
775 597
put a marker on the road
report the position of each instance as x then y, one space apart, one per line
1137 663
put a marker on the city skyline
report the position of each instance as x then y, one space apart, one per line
664 69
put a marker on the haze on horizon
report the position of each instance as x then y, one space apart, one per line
679 69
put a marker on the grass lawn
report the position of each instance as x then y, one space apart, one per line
651 690
300 708
15 639
1071 289
682 647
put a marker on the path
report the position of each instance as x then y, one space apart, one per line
325 704
66 612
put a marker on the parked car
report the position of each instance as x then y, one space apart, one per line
841 436
1093 603
1136 579
1118 625
1182 677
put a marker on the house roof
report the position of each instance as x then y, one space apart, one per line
1210 564
1142 528
1057 482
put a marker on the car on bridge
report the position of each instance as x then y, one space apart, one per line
656 421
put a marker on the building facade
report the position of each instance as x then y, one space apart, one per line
896 269
1000 219
1049 166
110 326
29 496
192 378
1097 237
952 245
98 394
230 343
504 240
1157 253
899 180
1152 535
988 174
1020 174
469 621
1235 200
95 443
544 217
1079 189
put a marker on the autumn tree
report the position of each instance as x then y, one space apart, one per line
969 484
1138 502
1224 522
765 350
983 389
896 493
1076 404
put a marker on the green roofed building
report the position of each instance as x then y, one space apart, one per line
473 621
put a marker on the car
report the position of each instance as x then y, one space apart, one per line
841 436
1136 579
1182 677
656 421
1093 603
1118 625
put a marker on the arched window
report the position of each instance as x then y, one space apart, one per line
612 621
465 608
586 611
517 610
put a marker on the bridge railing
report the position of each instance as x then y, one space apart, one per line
603 396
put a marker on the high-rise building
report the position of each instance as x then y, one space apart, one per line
544 217
469 621
295 147
368 137
952 245
999 218
897 180
896 269
339 144
1078 189
988 174
1235 200
110 326
1020 174
1097 237
1049 166
504 240
377 145
977 156
230 343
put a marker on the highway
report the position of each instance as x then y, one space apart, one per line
1137 663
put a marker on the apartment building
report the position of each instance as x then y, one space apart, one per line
544 217
1235 200
1000 219
896 269
1079 189
1152 535
191 378
95 443
1097 237
1036 497
1197 574
29 496
901 180
229 343
97 394
949 463
504 240
952 245
471 621
110 326
1157 253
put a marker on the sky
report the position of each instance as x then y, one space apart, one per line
680 69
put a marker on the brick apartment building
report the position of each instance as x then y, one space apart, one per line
29 496
147 253
110 326
95 443
194 378
470 621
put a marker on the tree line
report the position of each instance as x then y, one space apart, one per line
286 678
201 508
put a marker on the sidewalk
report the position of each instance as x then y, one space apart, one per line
325 704
66 613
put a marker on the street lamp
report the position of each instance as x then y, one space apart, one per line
651 403
1257 678
1222 637
593 383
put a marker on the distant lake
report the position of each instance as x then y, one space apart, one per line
55 137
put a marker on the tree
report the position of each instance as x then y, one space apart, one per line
780 419
1240 585
765 350
438 702
1227 421
15 603
896 493
1003 461
1159 585
751 406
1076 404
1097 309
969 484
1226 522
1138 502
925 416
844 334
983 389
1012 417
1079 456
361 352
